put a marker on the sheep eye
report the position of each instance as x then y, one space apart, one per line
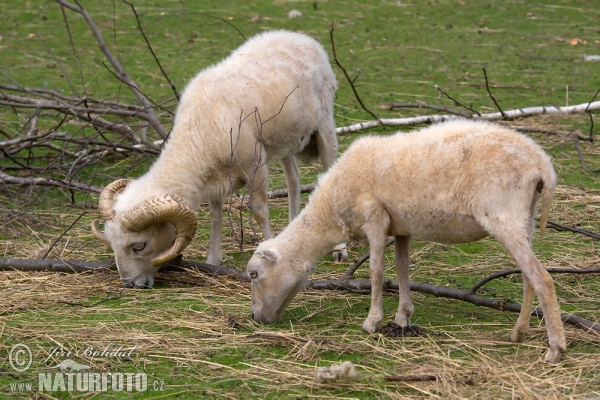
138 246
253 275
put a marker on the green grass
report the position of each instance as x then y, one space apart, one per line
182 328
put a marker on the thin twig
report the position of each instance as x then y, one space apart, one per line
63 234
581 158
456 102
431 107
152 118
152 50
107 297
487 87
350 81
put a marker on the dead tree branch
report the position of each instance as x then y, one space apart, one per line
350 81
487 87
581 158
448 110
354 285
456 102
84 187
137 18
430 119
123 75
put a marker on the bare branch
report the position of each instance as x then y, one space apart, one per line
581 158
350 81
431 107
356 285
430 119
137 18
152 118
8 179
487 87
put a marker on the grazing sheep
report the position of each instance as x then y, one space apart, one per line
270 100
454 182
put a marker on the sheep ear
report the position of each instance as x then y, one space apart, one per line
309 267
269 254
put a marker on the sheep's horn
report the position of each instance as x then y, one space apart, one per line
107 198
168 208
99 234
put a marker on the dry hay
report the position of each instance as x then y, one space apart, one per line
187 328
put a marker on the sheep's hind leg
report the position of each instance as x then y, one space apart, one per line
292 179
215 256
405 307
376 234
543 285
259 200
521 328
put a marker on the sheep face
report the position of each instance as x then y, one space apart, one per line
146 235
134 251
275 282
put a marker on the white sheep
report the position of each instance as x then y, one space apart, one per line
454 182
270 100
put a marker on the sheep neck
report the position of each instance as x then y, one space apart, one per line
314 232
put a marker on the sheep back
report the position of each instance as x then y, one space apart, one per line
453 182
280 82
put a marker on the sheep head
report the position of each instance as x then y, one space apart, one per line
275 280
145 236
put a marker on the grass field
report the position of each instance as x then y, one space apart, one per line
192 334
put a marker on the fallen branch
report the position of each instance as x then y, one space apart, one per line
429 106
8 179
560 227
354 285
121 73
510 114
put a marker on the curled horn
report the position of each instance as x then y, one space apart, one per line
107 198
96 229
168 208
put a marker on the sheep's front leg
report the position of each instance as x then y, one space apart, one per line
292 179
215 256
405 308
376 234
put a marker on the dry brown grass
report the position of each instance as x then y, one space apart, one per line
195 332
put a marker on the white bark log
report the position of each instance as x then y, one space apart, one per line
511 114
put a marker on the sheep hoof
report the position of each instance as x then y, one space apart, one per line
369 327
517 336
340 254
554 355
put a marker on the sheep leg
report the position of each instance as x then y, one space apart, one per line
522 326
376 235
405 308
543 285
215 256
327 142
292 179
259 200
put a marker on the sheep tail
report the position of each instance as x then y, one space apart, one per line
547 191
